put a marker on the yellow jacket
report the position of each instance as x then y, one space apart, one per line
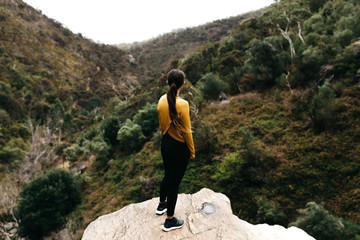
182 108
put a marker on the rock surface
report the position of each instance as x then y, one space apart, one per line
139 221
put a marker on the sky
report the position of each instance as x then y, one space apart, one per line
128 21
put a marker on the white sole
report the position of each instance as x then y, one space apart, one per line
161 212
172 228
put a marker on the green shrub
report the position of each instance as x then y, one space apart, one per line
46 201
347 62
84 112
319 223
71 152
130 136
230 170
94 102
10 154
69 102
323 106
204 138
344 37
211 86
270 212
263 66
315 5
120 108
12 106
4 117
101 149
147 118
68 126
110 127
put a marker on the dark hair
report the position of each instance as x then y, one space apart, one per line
175 79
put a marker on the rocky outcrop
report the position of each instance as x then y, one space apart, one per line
207 215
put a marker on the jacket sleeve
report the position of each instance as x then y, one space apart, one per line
188 138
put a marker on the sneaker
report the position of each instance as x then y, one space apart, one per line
171 224
161 208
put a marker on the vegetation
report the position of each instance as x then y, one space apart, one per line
46 201
289 134
320 224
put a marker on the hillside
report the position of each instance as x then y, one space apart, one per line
283 143
157 55
41 48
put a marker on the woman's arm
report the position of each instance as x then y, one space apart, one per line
188 138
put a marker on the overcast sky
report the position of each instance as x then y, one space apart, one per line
127 21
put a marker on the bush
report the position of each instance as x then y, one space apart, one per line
72 152
317 222
68 126
323 106
347 63
270 212
10 154
130 136
46 201
4 117
147 118
110 126
263 66
11 106
204 137
101 150
211 86
344 37
230 170
315 5
94 102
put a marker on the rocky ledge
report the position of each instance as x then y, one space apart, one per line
207 215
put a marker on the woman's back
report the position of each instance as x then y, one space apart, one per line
167 126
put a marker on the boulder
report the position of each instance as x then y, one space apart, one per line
207 215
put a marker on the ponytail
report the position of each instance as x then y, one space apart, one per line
171 97
175 80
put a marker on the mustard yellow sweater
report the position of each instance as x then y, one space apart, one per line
182 108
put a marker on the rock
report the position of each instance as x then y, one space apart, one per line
9 226
13 231
222 97
131 59
139 221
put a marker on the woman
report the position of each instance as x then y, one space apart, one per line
176 148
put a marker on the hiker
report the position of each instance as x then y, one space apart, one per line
177 146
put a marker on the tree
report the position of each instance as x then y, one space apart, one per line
68 126
317 222
262 67
4 117
147 118
323 106
130 136
94 102
287 17
211 86
110 127
315 5
101 149
40 155
46 201
270 212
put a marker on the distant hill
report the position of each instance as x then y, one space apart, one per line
40 53
157 55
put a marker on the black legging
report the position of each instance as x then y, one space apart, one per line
175 156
